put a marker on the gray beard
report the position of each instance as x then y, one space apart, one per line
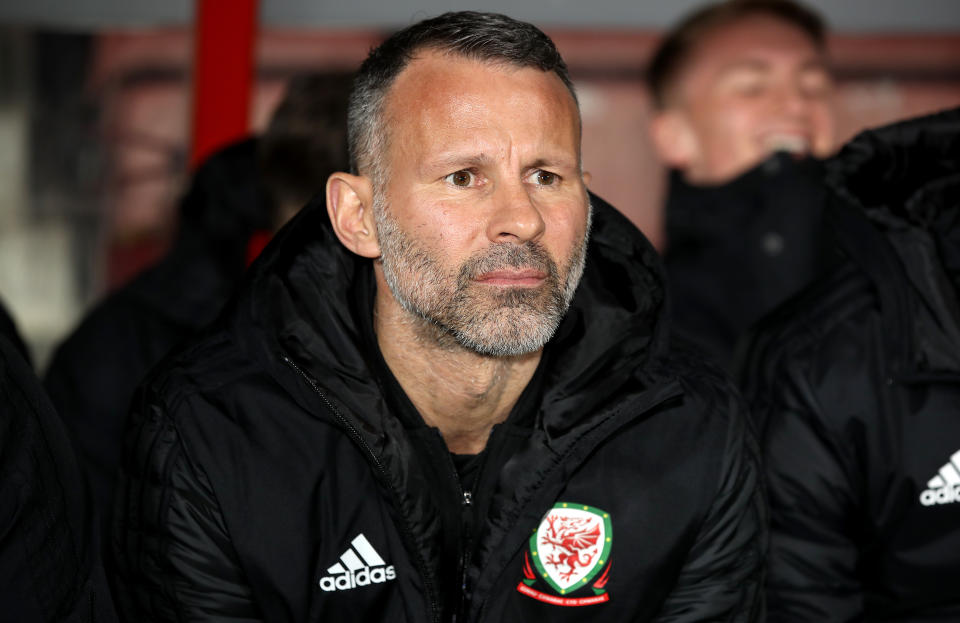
479 318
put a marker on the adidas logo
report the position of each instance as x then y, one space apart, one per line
360 565
945 487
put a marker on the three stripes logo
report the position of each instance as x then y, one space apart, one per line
944 488
360 565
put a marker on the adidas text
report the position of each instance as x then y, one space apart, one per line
943 495
360 565
363 577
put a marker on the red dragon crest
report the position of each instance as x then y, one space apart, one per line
568 549
574 541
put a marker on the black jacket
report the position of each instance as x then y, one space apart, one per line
857 387
268 460
50 565
94 372
737 250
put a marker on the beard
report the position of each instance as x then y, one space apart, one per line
489 320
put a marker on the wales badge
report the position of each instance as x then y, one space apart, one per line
566 554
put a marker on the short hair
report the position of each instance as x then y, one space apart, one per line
306 139
474 35
676 47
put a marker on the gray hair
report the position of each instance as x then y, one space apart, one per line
479 36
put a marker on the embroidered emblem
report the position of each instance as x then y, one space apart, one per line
566 553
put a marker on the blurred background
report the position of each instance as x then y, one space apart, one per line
96 100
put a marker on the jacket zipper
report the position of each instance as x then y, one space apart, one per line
466 541
384 478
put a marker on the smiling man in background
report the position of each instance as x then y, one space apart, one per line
442 395
744 109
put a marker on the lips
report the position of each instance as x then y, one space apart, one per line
523 277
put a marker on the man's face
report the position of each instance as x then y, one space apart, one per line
750 88
482 221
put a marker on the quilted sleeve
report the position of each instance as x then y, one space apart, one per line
722 577
812 476
174 556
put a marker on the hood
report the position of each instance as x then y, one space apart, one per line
300 299
905 179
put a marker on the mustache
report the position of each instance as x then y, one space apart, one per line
529 255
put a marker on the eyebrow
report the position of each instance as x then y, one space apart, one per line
762 65
750 65
540 163
456 161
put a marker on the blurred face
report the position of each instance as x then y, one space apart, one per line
750 88
482 221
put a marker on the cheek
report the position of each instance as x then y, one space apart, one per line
823 129
566 228
449 231
725 123
731 135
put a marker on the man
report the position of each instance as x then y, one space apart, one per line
50 563
237 198
743 109
856 386
417 410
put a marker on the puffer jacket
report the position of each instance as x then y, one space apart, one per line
50 564
856 387
268 477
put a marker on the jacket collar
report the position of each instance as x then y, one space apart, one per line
299 299
774 192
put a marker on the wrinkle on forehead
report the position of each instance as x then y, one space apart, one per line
444 102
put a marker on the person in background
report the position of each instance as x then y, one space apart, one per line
237 198
743 110
51 570
441 395
855 385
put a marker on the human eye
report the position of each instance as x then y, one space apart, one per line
746 82
463 178
815 83
544 178
750 86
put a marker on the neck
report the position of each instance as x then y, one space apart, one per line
462 393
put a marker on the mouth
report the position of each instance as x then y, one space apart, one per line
513 277
794 144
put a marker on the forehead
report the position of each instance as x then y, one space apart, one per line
752 38
440 96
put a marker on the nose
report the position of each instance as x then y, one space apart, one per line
515 216
793 100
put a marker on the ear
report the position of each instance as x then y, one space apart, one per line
587 178
674 139
350 206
